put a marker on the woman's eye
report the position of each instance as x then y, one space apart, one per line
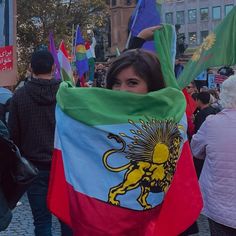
132 82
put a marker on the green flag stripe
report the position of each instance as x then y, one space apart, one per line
64 75
97 106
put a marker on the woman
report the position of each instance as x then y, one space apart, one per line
136 71
215 142
128 193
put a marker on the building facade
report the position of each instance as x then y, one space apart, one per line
196 17
121 11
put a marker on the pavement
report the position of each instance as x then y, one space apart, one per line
22 223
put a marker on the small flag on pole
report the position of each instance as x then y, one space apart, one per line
63 57
53 50
81 59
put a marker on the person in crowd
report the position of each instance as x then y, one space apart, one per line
226 71
214 100
99 75
31 125
203 89
5 98
191 88
215 142
204 109
5 212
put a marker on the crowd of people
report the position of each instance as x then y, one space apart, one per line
211 133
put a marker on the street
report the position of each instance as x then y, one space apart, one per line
22 223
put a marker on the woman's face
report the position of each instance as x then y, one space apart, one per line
127 80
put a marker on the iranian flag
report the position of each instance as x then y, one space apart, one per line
65 66
122 163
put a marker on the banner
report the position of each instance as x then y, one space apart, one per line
6 58
7 43
211 81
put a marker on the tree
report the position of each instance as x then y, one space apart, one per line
35 19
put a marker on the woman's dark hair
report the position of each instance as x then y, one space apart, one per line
145 64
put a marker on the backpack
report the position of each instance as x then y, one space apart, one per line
4 110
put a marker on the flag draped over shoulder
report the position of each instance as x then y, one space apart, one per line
81 59
123 171
217 49
53 50
146 14
65 66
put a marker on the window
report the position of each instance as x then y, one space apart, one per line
204 14
113 2
169 18
228 8
192 38
216 13
180 17
192 16
203 35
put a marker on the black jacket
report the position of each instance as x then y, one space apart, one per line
32 120
201 116
5 213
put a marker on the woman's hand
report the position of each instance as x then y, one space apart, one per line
148 33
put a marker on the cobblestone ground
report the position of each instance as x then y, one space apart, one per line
22 223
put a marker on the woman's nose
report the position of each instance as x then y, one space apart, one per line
124 87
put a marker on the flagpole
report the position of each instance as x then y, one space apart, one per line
73 38
135 18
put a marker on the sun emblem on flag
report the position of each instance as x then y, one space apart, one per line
207 44
153 150
209 41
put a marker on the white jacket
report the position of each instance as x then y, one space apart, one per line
216 142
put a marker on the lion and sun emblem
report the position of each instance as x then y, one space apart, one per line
207 44
153 150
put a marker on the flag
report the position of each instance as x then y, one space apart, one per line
146 14
53 50
89 175
91 57
65 67
131 171
81 59
219 79
217 49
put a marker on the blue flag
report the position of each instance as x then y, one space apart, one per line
81 59
146 14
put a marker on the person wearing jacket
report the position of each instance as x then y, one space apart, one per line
31 125
215 142
5 212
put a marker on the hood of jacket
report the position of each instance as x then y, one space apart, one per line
42 91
